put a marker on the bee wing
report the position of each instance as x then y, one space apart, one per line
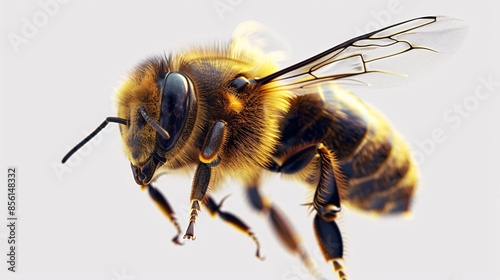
383 57
258 35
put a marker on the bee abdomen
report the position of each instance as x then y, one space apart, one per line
373 152
380 173
375 161
384 180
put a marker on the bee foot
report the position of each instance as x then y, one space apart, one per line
259 256
177 241
190 232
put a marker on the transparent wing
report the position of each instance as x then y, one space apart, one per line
384 57
258 35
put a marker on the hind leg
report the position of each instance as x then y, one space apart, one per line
326 200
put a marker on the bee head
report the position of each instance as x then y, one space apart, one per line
156 103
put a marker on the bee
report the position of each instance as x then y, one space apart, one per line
228 111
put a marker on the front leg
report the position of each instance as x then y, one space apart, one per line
165 207
201 183
209 158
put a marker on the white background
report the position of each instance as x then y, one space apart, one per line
91 221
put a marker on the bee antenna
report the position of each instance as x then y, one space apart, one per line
154 124
94 133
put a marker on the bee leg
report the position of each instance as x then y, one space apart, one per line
327 205
326 200
165 207
209 158
283 229
296 162
227 217
199 189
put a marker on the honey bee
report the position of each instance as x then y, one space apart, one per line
228 111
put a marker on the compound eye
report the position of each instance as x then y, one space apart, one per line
240 83
176 90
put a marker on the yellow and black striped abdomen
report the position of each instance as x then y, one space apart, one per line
377 164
